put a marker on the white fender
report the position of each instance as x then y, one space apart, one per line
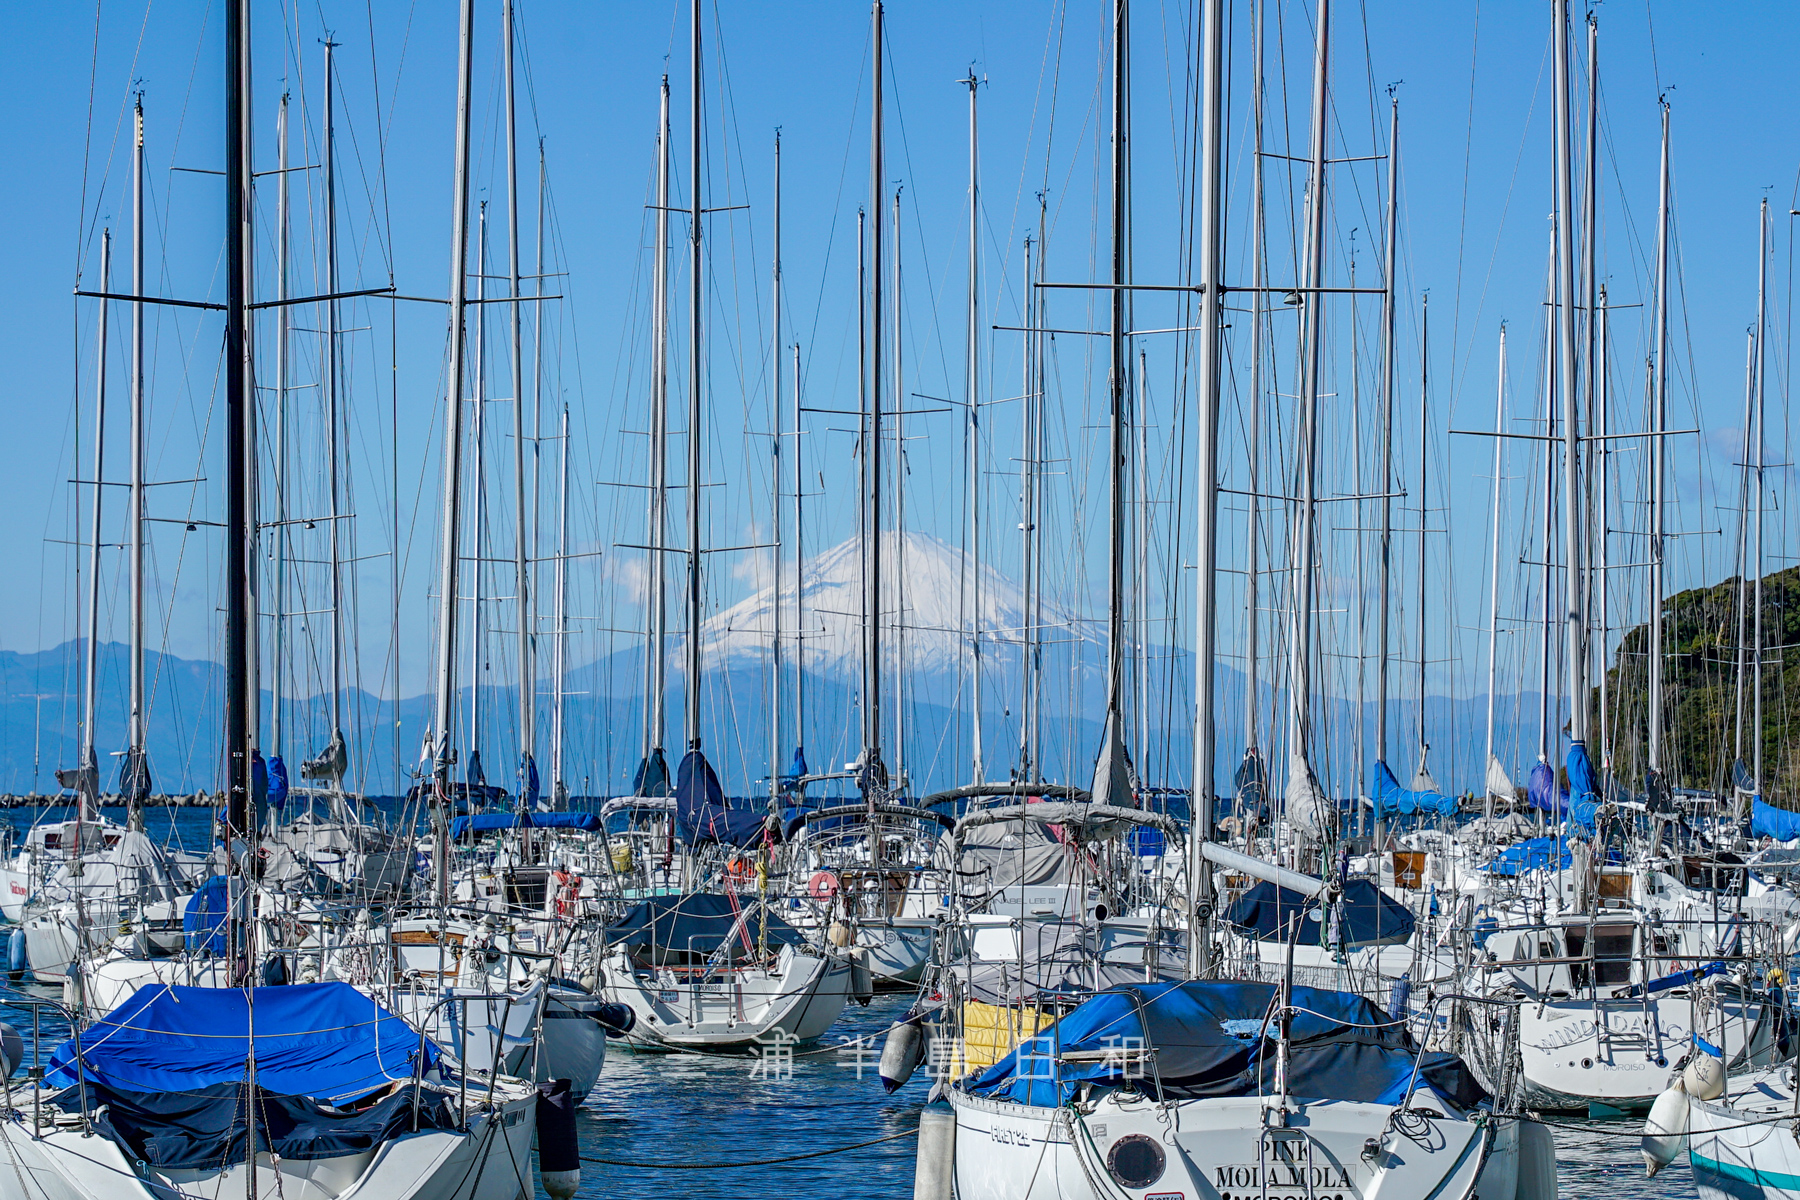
1666 1129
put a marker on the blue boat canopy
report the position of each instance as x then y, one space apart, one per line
321 1040
1216 1038
677 928
1369 916
1531 855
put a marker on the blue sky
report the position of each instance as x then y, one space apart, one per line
1475 191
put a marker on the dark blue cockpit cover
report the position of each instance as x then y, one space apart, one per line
1390 797
1370 917
323 1040
699 924
701 811
1216 1038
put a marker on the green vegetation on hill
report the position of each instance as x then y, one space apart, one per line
1701 690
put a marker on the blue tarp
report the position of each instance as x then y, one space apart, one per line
1768 821
1545 792
487 822
278 782
701 811
1390 797
697 925
1217 1038
1584 788
203 920
1531 855
1369 917
323 1040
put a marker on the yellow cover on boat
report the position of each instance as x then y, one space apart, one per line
990 1032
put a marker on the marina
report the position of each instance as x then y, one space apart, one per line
1067 601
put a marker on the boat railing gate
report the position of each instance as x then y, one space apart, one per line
36 1072
1412 1083
462 1065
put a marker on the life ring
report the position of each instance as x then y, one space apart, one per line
822 886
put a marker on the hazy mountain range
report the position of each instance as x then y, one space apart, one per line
605 709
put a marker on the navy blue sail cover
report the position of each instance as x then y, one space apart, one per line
324 1040
1370 917
1390 797
699 924
702 812
1218 1038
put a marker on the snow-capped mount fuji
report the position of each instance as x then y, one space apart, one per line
926 605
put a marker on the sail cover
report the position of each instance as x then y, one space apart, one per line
1390 797
1584 787
701 811
1216 1038
1545 792
1112 770
1307 808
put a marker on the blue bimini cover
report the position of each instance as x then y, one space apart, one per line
701 811
461 827
673 928
1390 797
1217 1038
1369 916
327 1041
1768 821
1531 855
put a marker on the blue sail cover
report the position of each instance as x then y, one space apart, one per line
278 782
1768 821
1216 1038
701 811
1369 916
529 789
1584 787
1544 792
1390 797
327 1041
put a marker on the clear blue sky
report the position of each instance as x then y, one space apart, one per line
1475 189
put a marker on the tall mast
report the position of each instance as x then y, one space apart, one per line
897 601
1741 674
1549 527
1602 617
1658 461
1389 357
1212 322
478 481
1302 784
1109 772
1574 512
972 399
775 357
1762 328
799 579
656 666
1422 778
240 516
526 646
283 327
1028 491
89 768
696 374
332 417
874 773
1253 516
1590 284
135 779
444 752
561 579
1487 791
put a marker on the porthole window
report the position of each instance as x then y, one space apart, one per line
1136 1161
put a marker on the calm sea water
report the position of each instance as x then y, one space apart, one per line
665 1113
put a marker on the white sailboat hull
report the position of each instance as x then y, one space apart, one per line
797 1000
1219 1149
